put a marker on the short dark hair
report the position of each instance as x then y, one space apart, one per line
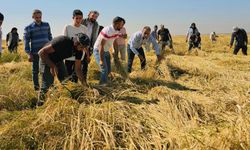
13 29
1 17
193 24
77 12
147 28
36 11
119 19
94 12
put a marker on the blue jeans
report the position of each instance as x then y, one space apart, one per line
35 70
105 68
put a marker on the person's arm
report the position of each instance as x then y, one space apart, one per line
170 37
101 52
44 55
87 53
125 35
187 36
49 33
78 71
18 39
232 40
27 39
246 38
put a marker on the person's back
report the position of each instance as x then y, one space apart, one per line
241 37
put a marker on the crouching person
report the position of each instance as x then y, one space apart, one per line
135 47
52 57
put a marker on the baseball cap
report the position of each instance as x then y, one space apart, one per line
83 39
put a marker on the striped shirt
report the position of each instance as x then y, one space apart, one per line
109 34
136 41
36 36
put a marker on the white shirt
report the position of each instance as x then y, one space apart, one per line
71 31
136 41
0 39
212 36
109 34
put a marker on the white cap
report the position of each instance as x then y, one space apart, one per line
235 29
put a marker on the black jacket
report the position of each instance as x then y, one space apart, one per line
240 38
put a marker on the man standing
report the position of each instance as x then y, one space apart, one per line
1 21
36 35
12 40
240 36
165 38
70 31
103 44
92 32
193 38
55 52
135 47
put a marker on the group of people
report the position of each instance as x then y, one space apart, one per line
68 56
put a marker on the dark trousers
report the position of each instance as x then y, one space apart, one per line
48 78
194 45
85 66
237 48
35 71
13 47
70 67
131 56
